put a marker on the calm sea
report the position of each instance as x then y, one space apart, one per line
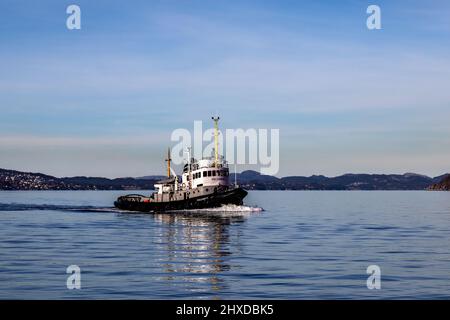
304 245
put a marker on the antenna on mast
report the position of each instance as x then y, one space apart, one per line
216 140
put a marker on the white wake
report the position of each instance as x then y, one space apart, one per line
227 208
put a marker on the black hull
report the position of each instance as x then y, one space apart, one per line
233 196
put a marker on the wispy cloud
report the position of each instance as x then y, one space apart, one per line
111 141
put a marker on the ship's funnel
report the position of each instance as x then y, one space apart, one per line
168 160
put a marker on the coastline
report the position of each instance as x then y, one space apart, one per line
12 180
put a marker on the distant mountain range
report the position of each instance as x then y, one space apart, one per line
252 180
407 181
16 180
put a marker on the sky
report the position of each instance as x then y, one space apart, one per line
104 100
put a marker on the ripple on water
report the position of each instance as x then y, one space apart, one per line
305 245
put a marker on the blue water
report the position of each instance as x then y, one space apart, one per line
304 245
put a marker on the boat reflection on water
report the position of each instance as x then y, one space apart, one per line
196 248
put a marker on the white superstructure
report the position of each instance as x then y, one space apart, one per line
205 172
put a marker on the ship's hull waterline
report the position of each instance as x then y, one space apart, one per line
139 203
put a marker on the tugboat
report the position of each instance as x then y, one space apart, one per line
204 184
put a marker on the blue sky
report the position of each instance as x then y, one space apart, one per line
104 100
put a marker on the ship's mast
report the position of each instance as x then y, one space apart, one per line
168 160
216 141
